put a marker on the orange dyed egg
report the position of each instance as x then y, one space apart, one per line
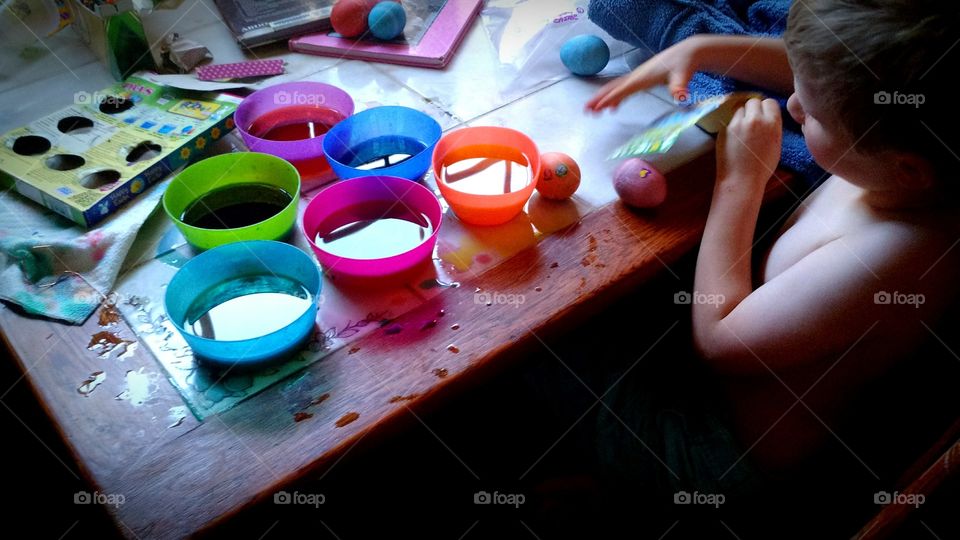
559 176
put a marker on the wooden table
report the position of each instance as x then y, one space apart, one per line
238 458
179 481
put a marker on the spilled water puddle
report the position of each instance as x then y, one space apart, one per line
176 415
92 382
105 342
140 387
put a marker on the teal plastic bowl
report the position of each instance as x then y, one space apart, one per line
246 302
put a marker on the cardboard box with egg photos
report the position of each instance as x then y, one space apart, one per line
87 160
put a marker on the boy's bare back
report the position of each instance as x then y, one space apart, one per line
860 272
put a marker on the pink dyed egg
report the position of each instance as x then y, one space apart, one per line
639 184
559 176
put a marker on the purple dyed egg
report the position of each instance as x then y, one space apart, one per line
639 184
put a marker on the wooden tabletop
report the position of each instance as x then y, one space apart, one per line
177 475
177 481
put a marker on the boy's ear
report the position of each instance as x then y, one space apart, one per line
914 171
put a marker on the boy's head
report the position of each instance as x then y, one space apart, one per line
877 72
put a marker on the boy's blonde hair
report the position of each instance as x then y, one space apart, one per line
882 70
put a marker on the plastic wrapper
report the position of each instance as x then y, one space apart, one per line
528 34
182 54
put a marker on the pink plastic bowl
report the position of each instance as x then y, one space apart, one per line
386 190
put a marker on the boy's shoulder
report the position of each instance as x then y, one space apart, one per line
916 250
836 215
917 230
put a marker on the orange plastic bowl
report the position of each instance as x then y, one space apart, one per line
486 142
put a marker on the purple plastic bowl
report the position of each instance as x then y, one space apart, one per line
291 94
389 190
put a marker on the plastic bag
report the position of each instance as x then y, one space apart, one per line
528 34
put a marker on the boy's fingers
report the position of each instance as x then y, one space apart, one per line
607 100
771 107
737 116
678 83
598 101
752 107
617 93
607 88
602 94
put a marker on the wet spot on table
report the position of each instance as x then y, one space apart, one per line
347 418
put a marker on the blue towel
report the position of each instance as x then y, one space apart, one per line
658 24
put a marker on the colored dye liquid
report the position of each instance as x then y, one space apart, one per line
247 307
382 152
237 205
373 231
295 123
487 176
313 170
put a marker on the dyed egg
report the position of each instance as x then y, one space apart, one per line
559 176
639 184
387 20
585 55
349 17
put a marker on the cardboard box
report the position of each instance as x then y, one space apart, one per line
87 160
92 24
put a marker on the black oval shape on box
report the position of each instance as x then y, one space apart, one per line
64 162
100 178
31 145
76 125
143 151
115 105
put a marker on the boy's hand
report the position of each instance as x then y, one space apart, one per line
674 67
749 148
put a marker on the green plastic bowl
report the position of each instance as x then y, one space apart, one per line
225 170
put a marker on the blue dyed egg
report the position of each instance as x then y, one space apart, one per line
386 20
585 55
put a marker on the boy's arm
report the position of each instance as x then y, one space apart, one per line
871 292
822 305
747 152
759 61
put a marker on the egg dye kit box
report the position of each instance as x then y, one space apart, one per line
87 160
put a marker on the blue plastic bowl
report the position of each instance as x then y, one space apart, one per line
358 145
236 270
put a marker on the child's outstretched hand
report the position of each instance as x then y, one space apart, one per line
673 66
749 148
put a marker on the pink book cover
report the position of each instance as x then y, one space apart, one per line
434 30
